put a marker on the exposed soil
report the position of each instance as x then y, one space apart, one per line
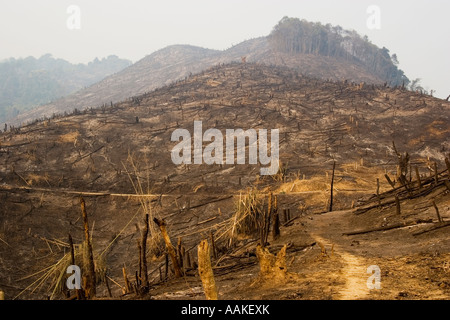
412 267
100 153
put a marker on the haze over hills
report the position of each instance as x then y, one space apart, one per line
30 82
325 52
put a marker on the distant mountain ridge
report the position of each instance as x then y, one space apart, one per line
29 82
311 49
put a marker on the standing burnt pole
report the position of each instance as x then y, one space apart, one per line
331 189
89 256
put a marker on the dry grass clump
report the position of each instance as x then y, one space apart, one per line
316 190
351 179
247 213
315 184
69 137
36 179
244 220
144 192
247 219
281 174
56 275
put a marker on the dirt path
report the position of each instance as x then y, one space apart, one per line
353 272
327 229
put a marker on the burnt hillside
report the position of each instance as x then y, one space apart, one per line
319 121
118 158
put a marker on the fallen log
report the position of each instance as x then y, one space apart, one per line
401 189
384 228
87 155
439 225
288 223
176 212
421 193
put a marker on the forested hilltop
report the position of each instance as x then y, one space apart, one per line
292 35
29 82
311 49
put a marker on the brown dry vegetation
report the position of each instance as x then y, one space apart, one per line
122 167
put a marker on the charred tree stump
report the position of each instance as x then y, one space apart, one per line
137 286
397 204
436 180
188 259
180 254
173 256
437 212
331 189
378 192
390 181
127 282
213 246
166 271
272 267
419 181
107 286
143 254
276 226
182 257
265 222
205 271
72 250
140 262
79 292
90 288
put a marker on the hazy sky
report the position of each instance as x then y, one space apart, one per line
417 31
